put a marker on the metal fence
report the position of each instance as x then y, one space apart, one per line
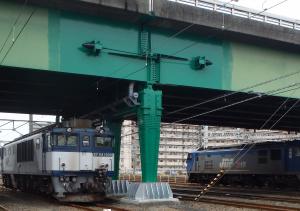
160 178
242 12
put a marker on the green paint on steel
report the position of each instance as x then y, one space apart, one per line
116 129
114 35
227 66
149 117
53 39
254 64
189 46
30 50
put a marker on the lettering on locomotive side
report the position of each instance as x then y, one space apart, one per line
102 154
227 163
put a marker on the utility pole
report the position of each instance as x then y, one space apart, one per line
30 123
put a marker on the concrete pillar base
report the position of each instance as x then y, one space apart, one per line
149 192
118 188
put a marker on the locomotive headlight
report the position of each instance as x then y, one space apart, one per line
100 129
61 179
69 130
74 179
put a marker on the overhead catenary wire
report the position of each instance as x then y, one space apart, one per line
223 171
18 35
280 90
13 26
235 92
233 104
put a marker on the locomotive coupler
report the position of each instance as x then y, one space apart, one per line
101 177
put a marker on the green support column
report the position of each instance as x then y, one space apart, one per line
149 117
116 129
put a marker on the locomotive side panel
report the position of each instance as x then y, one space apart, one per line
292 158
265 163
24 156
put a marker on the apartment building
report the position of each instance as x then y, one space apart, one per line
222 136
176 140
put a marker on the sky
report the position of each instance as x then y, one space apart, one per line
289 9
6 134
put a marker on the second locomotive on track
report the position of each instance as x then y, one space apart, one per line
268 163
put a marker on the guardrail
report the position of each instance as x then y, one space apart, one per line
242 12
160 178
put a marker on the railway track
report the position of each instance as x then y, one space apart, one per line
104 206
212 197
238 204
197 187
234 193
3 208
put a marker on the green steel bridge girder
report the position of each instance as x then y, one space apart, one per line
141 52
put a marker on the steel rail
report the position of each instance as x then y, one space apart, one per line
79 207
3 208
111 207
105 206
236 203
246 195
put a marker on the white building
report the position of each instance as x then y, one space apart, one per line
221 136
176 140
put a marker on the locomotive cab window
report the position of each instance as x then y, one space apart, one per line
297 151
65 140
72 140
275 154
60 139
103 141
262 156
86 141
262 152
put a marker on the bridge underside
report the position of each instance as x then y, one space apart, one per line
73 95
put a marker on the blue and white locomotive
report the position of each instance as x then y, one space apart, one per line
267 163
72 164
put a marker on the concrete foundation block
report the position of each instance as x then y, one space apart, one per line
118 188
150 192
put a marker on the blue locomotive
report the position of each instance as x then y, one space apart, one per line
266 163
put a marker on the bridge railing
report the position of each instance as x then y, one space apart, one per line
242 12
